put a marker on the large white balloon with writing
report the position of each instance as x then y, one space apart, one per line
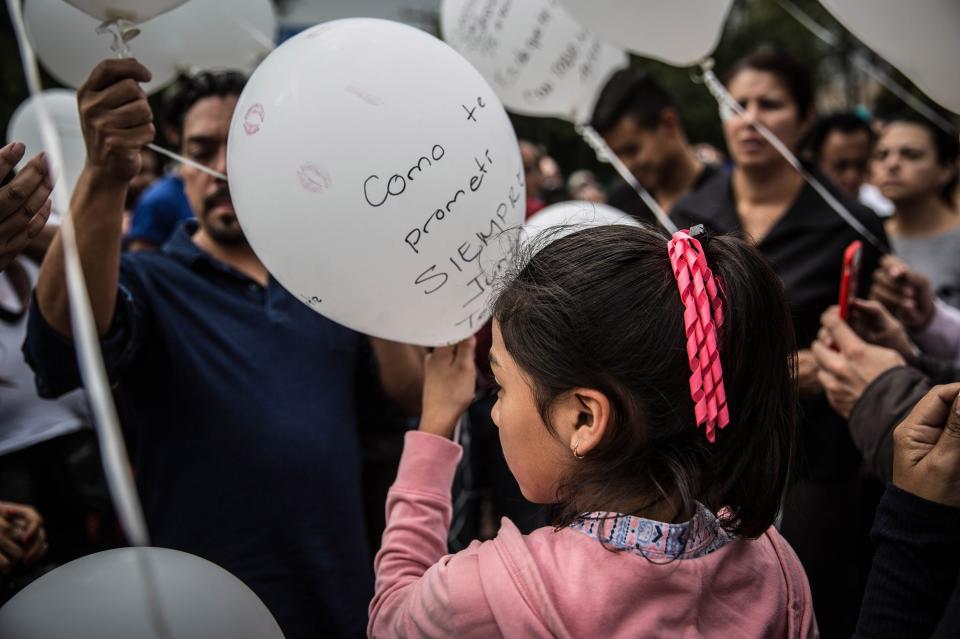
919 37
24 127
202 34
678 32
130 10
375 172
563 218
537 58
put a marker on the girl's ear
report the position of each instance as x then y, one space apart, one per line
581 418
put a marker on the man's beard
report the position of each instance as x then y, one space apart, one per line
230 235
225 235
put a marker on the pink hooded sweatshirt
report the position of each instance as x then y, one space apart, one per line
566 583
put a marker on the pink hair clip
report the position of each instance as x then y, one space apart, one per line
702 316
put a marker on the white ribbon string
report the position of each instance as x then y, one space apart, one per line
122 34
115 460
727 103
606 154
116 463
187 161
255 34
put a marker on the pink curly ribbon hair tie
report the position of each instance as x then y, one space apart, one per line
702 316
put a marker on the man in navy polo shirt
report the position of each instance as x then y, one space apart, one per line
237 399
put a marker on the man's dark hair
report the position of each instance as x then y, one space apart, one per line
599 309
842 121
632 93
192 89
792 73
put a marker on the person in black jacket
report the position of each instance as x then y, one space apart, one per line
913 589
826 516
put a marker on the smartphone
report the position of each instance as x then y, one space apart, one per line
850 276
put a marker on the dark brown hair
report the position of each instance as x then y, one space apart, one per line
794 76
599 308
631 93
946 146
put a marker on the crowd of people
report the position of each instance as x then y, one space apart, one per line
682 434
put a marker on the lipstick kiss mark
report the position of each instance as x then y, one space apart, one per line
253 119
313 178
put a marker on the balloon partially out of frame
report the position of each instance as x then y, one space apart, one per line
918 37
130 10
678 32
200 35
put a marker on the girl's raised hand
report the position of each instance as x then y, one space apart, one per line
450 380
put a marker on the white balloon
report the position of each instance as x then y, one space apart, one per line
130 10
202 34
919 38
679 32
561 219
375 173
537 58
25 127
105 596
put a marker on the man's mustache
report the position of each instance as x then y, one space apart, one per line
222 193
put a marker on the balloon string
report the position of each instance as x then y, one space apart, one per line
187 161
728 106
121 48
122 32
898 90
116 463
255 34
605 153
830 38
115 459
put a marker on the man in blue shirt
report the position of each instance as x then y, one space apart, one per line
237 399
161 209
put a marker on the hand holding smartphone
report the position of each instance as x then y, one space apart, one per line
849 277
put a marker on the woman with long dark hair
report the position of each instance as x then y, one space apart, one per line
826 516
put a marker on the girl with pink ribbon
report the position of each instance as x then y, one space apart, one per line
612 346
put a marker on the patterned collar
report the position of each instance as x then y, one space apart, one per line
654 539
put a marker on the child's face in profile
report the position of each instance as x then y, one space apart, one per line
537 459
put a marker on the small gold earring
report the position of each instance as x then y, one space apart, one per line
576 451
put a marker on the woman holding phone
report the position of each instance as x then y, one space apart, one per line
825 518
